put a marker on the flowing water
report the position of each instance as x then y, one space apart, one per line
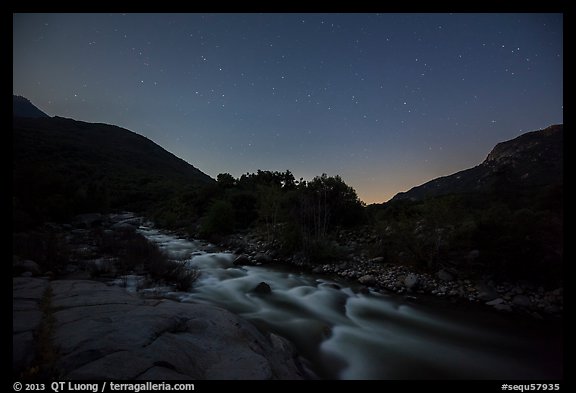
350 334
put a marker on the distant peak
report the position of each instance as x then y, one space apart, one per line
554 128
22 107
525 142
532 159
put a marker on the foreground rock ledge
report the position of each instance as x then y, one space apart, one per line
102 332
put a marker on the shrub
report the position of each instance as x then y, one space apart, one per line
181 275
219 219
290 238
134 251
47 249
321 251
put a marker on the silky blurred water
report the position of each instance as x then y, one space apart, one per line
350 334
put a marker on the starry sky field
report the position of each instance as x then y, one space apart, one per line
387 101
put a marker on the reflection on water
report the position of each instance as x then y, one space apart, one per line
351 335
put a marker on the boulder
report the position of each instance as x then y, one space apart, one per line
28 266
521 300
103 332
88 220
445 275
241 260
473 255
263 258
552 309
262 288
486 292
495 302
367 279
410 281
503 307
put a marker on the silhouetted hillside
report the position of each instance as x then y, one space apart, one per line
63 167
21 107
530 160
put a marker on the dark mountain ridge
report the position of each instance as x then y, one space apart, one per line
533 159
63 167
22 107
112 147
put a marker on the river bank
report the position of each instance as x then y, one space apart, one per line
522 297
344 329
84 319
348 330
85 329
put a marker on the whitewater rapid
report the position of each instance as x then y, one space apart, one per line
347 332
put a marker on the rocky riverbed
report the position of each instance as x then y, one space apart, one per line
348 324
520 297
253 249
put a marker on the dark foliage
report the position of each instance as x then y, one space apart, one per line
136 254
510 236
47 248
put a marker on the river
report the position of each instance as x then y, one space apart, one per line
349 333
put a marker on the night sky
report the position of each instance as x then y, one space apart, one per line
387 101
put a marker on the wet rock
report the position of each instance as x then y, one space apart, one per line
124 226
364 291
242 260
262 258
262 288
376 260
